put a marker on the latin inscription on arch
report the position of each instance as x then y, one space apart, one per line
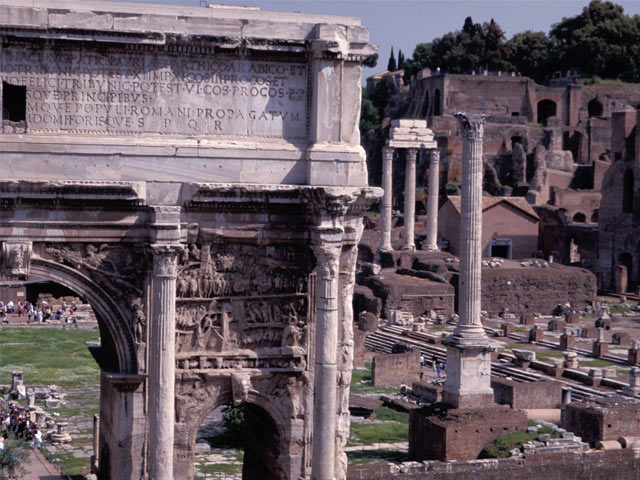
114 92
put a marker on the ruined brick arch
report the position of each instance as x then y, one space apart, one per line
580 217
594 108
114 328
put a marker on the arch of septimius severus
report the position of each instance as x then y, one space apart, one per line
196 175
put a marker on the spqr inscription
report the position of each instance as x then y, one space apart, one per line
114 92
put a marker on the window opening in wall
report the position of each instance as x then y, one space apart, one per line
436 104
627 192
594 108
14 102
500 247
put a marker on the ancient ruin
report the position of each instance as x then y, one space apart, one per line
190 175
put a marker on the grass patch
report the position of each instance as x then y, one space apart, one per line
376 456
372 433
48 356
543 356
210 468
501 446
619 309
521 330
596 363
362 381
391 415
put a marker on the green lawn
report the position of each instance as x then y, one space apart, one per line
361 381
48 356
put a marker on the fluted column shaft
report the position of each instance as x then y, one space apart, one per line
325 373
387 200
471 226
162 361
410 199
432 201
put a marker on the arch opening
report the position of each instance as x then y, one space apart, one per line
248 439
425 106
595 108
546 109
624 283
580 217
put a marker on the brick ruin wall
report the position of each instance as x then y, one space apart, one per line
539 291
395 369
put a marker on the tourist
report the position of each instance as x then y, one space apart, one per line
40 316
434 360
37 439
438 368
421 361
10 306
20 309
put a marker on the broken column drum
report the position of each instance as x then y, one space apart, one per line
468 380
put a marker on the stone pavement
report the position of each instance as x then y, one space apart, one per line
38 468
399 447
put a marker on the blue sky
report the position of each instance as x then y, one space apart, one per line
405 23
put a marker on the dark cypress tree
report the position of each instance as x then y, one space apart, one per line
391 66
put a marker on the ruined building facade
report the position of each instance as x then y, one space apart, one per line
196 175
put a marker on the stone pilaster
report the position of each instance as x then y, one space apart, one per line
468 381
162 361
325 371
387 200
432 201
410 199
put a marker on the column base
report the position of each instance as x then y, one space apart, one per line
430 248
409 248
468 383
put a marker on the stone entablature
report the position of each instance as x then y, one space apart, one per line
197 94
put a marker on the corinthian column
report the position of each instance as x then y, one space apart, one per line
468 382
387 200
410 199
162 361
471 226
432 201
325 374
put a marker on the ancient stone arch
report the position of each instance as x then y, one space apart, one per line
218 247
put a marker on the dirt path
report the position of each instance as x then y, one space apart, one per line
38 468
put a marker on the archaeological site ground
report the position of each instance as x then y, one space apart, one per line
207 271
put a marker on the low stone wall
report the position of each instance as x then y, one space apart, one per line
527 395
616 464
396 368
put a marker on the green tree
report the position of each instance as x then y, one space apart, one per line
601 41
233 419
532 54
371 61
369 116
391 65
421 59
400 60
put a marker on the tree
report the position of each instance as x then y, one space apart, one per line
421 59
369 116
371 61
233 419
601 41
400 60
391 65
532 54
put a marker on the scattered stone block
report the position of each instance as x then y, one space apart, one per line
621 338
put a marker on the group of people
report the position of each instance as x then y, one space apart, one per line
439 367
39 313
17 422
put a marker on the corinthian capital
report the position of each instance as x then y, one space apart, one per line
165 259
472 124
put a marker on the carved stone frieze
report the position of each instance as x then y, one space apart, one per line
16 257
118 268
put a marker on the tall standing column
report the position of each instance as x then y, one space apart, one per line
387 200
410 199
471 226
432 201
162 361
325 373
468 382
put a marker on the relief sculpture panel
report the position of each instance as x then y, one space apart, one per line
242 306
